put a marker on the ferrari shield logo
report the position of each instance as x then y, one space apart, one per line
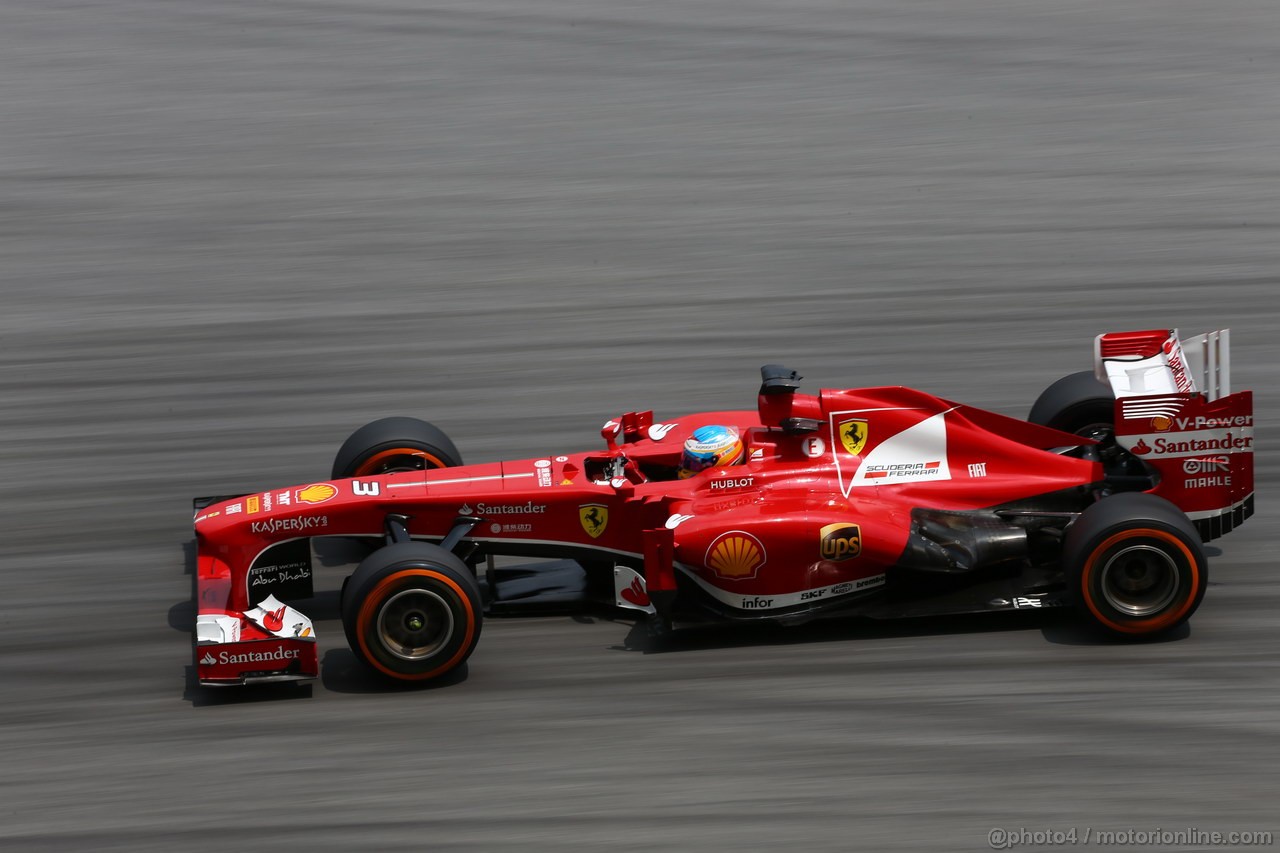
594 518
853 435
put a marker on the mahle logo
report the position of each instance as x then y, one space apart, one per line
840 542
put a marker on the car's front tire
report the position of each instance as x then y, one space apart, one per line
394 444
412 612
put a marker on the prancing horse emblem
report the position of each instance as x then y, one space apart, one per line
853 435
594 518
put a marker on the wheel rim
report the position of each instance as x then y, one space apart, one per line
414 624
1139 580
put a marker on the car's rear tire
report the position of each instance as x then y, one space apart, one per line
1077 404
394 444
412 612
1134 564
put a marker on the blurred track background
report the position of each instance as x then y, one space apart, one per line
231 232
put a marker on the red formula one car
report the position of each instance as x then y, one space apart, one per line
880 502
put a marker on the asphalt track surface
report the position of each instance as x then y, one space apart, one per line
230 232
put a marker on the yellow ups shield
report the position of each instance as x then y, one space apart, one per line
840 541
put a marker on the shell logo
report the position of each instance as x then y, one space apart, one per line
735 555
1160 423
316 493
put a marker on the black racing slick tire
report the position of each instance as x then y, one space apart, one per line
1134 564
394 444
412 612
1077 404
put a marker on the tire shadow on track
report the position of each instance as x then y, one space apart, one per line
1076 632
342 672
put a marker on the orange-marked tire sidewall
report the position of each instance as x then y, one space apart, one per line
373 602
370 465
1188 587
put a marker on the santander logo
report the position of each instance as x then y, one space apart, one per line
274 620
657 432
636 594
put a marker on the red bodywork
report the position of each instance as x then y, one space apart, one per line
821 510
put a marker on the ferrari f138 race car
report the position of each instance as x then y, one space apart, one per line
879 502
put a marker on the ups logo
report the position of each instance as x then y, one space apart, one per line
840 541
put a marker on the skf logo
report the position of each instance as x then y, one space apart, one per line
735 555
840 541
316 493
594 518
853 435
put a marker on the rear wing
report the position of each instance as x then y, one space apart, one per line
1175 411
1157 362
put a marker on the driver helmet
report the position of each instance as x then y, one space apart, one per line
711 446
